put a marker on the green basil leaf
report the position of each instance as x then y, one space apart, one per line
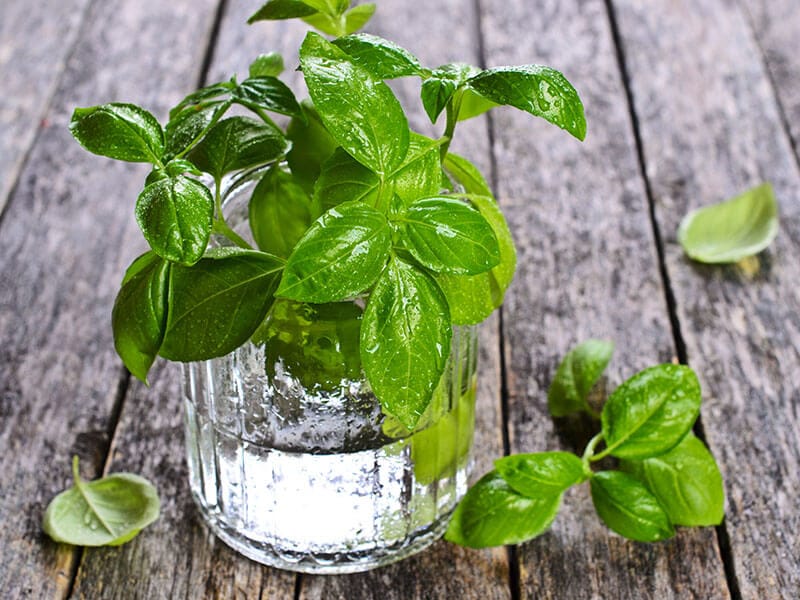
312 145
541 474
344 179
326 24
236 143
333 8
382 58
441 84
266 65
359 111
340 256
473 105
139 316
202 96
405 340
467 175
358 16
178 166
121 131
651 412
267 93
106 512
420 174
472 298
539 90
627 507
686 481
192 123
280 212
216 304
577 374
448 236
731 230
493 514
282 9
175 216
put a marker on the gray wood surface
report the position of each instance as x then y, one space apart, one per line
35 40
65 239
710 129
587 268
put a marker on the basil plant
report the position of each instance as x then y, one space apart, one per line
349 203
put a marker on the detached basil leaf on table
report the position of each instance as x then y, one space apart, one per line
731 230
577 374
105 512
542 473
121 131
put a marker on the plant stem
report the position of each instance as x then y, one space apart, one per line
452 109
588 453
264 117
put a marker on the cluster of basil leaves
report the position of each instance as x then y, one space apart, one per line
349 203
666 475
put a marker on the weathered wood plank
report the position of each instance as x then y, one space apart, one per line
776 24
587 268
35 41
710 129
65 239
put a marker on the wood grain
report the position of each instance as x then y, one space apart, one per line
35 40
65 238
710 129
587 268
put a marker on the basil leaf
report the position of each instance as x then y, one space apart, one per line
473 105
472 298
447 236
358 16
627 507
333 8
192 123
441 84
467 175
539 90
282 9
217 304
140 313
326 24
577 374
405 340
175 216
121 131
267 93
731 230
312 145
359 111
280 212
107 512
651 412
686 481
382 58
420 174
236 143
266 65
203 95
340 256
344 179
543 473
493 514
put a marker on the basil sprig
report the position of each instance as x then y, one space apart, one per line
667 476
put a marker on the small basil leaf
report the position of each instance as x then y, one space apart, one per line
405 340
280 212
441 84
467 175
731 230
192 123
686 481
539 90
358 16
175 216
543 473
359 111
121 131
340 256
627 507
267 65
447 236
312 145
333 8
344 179
236 143
203 95
216 304
493 514
577 374
267 93
651 412
178 166
419 175
473 105
282 9
382 58
140 313
326 24
106 512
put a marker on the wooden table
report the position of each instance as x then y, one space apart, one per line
688 102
